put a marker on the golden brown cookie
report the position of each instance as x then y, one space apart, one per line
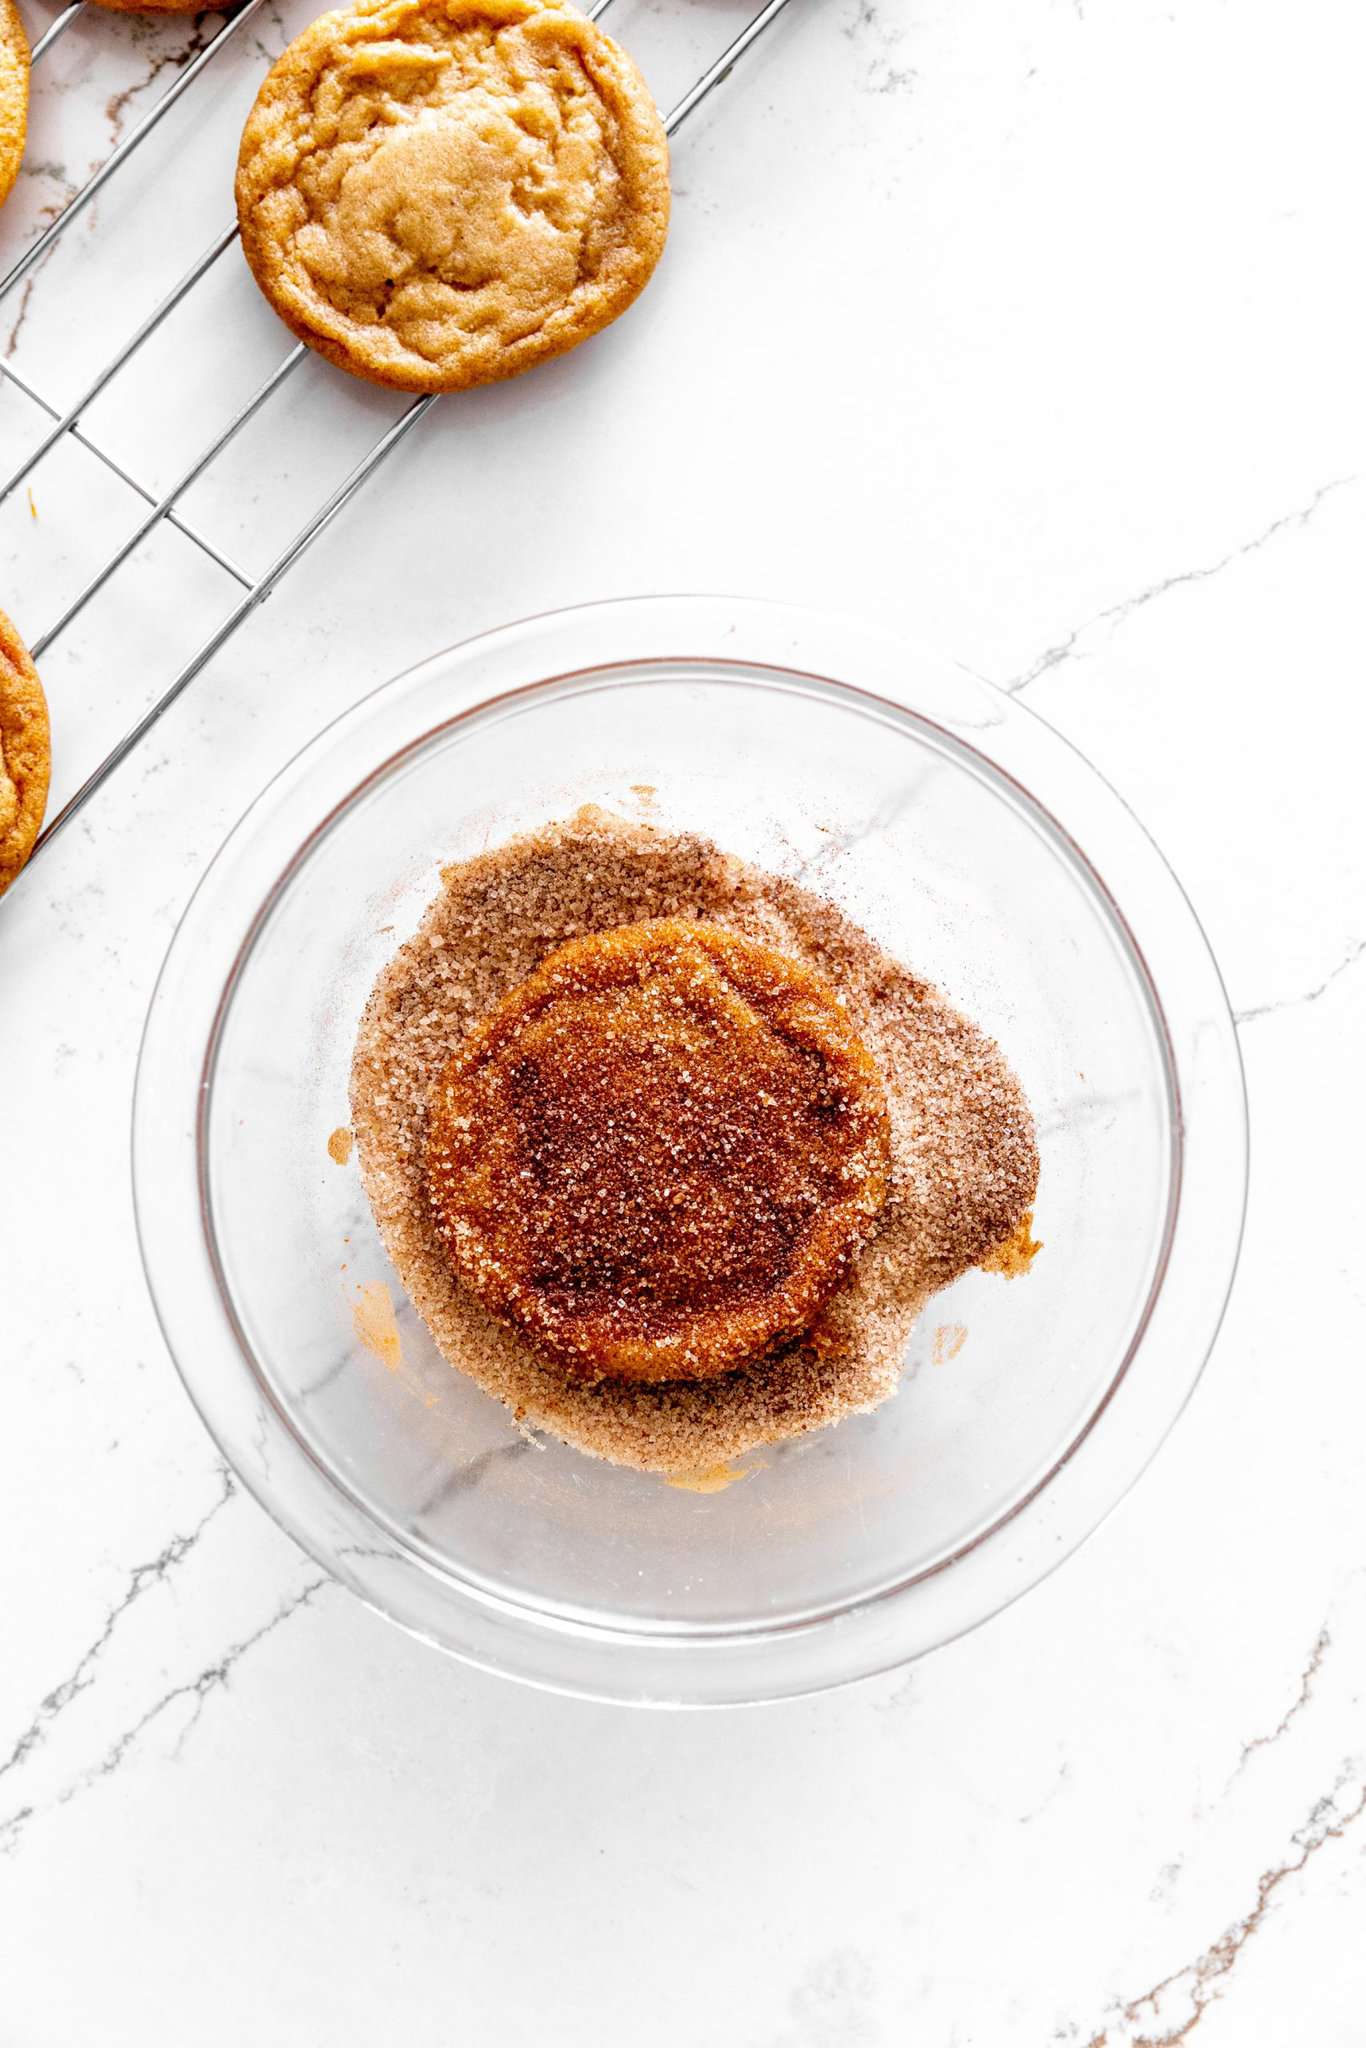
13 95
25 753
440 193
659 1155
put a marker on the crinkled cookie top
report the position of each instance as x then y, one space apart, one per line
437 194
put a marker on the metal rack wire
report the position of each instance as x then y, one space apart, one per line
163 506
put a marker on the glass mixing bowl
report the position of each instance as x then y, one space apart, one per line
972 842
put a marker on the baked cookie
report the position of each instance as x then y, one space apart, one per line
13 94
659 1155
25 754
440 193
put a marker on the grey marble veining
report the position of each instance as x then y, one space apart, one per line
1028 329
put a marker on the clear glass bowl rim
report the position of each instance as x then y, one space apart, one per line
577 650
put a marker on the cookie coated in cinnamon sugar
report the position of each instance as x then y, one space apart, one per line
659 1155
441 193
963 1160
25 753
13 95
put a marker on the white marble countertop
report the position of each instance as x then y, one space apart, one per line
1033 328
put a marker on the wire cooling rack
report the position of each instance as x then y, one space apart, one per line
164 506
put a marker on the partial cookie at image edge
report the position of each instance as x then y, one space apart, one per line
25 753
14 73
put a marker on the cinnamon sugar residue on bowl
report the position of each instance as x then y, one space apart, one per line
1016 1253
715 1479
376 1325
949 1339
339 1145
964 1164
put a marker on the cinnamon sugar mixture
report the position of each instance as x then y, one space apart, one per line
963 1160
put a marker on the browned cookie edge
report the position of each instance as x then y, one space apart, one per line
25 753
